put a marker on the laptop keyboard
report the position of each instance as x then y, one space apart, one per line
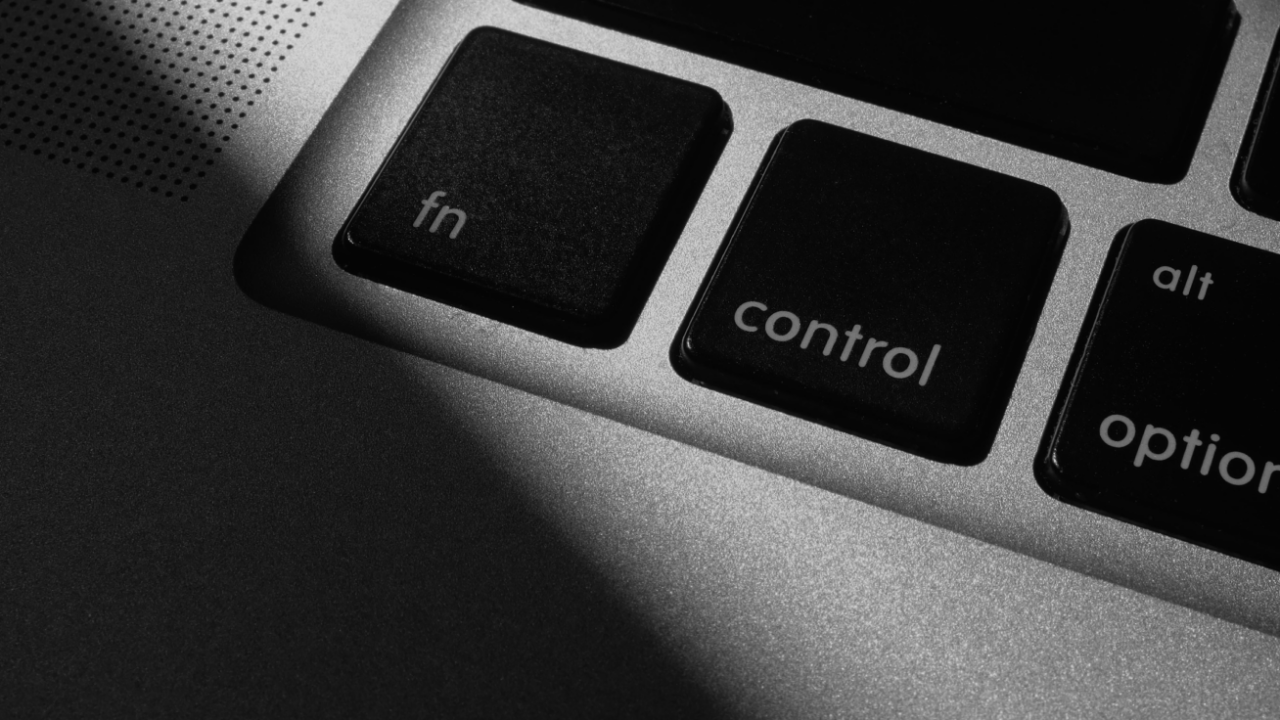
805 281
878 289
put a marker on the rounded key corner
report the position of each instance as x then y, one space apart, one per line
802 126
1123 237
724 118
805 124
1064 215
346 236
1240 191
1052 479
1125 230
344 250
969 453
967 458
351 256
1144 223
1171 169
1056 244
680 363
966 448
1150 226
487 31
1246 197
608 331
1048 473
684 359
605 331
967 444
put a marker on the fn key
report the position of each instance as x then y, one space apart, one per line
539 186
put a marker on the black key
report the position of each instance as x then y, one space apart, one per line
539 186
1122 85
878 289
1256 182
1167 416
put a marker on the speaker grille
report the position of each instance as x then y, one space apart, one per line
143 93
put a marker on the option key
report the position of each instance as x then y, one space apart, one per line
1169 416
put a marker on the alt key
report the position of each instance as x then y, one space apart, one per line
1167 416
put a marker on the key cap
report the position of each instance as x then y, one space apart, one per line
1121 85
539 186
1256 181
1167 415
878 289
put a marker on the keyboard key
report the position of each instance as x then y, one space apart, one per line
539 186
1167 415
878 289
1256 182
1121 85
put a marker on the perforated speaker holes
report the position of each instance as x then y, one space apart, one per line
143 93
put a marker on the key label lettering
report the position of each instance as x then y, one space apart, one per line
431 203
783 326
1168 278
1158 444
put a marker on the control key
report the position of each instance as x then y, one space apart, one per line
877 289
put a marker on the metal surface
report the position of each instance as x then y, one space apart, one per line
212 509
285 262
789 602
